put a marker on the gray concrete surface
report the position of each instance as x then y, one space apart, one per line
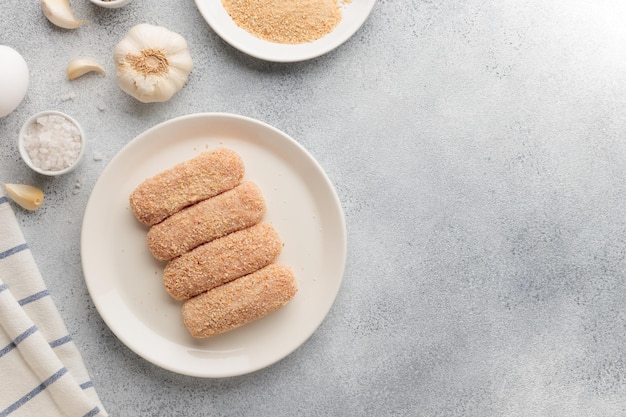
478 149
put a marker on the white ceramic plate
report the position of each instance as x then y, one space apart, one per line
125 281
354 15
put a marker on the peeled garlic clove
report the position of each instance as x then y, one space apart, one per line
60 13
81 66
27 196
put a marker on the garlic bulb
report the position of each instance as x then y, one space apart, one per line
60 13
27 196
152 63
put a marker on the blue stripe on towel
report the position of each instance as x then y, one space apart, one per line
4 199
93 412
33 297
33 393
3 287
17 340
86 385
13 250
7 349
61 341
25 334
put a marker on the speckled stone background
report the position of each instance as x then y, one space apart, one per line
478 149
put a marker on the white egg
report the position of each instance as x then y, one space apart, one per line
13 79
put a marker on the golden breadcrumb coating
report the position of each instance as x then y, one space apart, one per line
221 260
197 179
240 301
233 210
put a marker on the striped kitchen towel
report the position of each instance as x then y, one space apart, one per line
41 370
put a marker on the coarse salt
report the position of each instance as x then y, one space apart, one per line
53 143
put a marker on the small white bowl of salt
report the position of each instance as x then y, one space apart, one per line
51 143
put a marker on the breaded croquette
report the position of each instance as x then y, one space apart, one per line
233 210
240 301
221 260
189 182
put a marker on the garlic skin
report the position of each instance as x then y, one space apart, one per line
60 13
81 66
152 63
27 196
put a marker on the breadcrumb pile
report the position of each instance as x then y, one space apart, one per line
286 21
